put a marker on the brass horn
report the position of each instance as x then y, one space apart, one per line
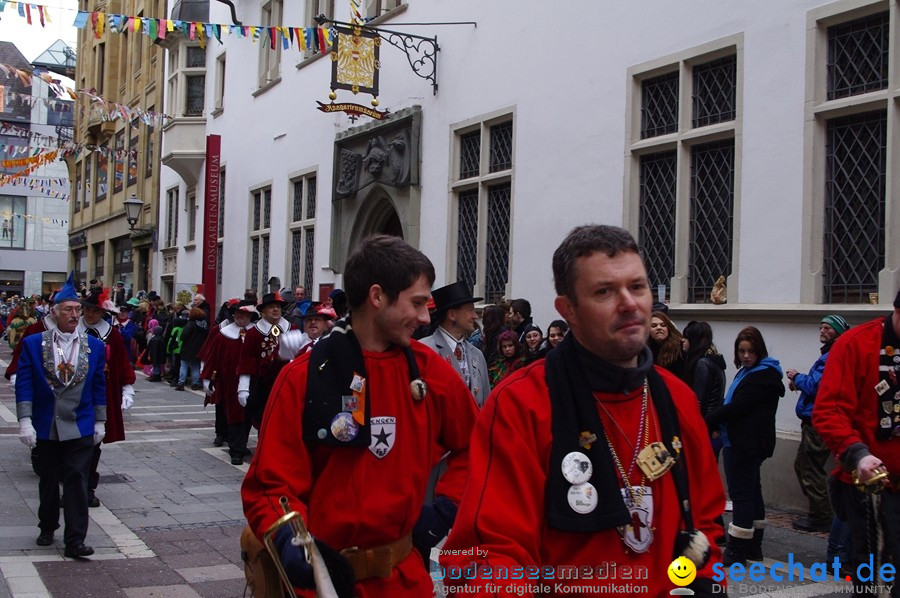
301 537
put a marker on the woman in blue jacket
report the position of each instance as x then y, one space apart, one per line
746 421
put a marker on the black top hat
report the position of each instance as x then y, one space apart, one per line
453 295
270 298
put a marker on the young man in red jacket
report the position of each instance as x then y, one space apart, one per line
590 458
353 428
857 414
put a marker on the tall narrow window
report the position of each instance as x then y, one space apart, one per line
302 230
656 228
483 197
270 49
172 217
260 206
191 216
858 56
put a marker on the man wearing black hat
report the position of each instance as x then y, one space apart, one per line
857 414
260 364
220 380
456 317
119 376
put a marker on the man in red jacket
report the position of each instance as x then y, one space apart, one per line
591 459
353 428
857 414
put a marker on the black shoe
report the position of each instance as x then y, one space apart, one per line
154 379
179 387
45 539
196 386
237 461
78 552
219 441
93 501
805 524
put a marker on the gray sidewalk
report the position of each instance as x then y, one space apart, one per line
170 517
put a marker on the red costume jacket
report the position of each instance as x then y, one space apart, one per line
118 373
355 498
846 407
204 352
220 365
501 520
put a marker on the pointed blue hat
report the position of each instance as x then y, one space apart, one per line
67 292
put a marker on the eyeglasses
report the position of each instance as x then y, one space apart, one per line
70 309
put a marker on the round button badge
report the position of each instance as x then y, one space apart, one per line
577 468
583 498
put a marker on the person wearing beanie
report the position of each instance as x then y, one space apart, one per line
812 454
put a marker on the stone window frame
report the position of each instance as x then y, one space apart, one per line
269 65
483 182
260 232
298 273
682 141
818 111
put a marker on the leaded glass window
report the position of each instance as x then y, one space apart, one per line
265 260
469 154
196 57
501 147
858 56
712 213
254 263
298 201
714 92
311 197
296 254
659 105
467 237
499 203
309 242
855 164
267 208
196 90
656 229
257 204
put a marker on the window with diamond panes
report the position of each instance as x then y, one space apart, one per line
257 204
855 172
499 202
467 237
469 154
501 147
267 208
656 228
254 263
858 56
298 201
712 214
714 91
659 105
309 245
265 263
310 198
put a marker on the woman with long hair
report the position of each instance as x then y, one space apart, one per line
509 357
704 366
746 421
492 324
665 343
556 331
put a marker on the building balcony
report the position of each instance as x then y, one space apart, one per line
97 127
184 147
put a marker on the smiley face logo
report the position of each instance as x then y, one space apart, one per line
682 571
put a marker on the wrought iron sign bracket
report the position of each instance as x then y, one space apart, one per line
421 52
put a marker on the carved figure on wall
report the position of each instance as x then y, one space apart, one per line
383 161
348 177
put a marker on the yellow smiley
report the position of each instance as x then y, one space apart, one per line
682 571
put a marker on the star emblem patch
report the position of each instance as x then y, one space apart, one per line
384 434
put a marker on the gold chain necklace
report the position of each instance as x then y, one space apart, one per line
643 431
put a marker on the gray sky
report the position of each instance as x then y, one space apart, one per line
32 39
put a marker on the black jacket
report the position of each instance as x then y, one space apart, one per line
709 382
750 416
192 338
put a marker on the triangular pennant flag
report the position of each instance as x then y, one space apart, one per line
217 31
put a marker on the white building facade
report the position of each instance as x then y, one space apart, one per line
757 141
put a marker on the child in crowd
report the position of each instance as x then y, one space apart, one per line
509 357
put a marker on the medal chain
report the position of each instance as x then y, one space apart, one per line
66 365
643 431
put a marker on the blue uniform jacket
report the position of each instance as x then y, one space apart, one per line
32 386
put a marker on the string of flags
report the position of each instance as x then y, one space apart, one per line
69 147
34 185
33 165
100 107
317 39
6 214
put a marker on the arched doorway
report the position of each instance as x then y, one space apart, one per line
377 217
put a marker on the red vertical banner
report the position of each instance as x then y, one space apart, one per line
211 220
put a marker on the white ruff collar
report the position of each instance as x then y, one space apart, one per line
233 331
264 327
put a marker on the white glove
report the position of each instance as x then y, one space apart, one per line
27 434
242 397
127 397
12 380
207 387
289 344
99 432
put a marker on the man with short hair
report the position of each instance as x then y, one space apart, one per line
301 305
520 317
812 454
592 455
376 411
456 319
857 414
61 407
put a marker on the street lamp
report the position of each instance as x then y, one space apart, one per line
133 207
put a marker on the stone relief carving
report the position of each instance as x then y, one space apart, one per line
384 160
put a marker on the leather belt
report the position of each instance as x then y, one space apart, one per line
378 561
